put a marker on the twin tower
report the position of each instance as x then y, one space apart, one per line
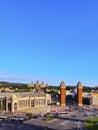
63 94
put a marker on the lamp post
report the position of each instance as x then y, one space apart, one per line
79 127
91 117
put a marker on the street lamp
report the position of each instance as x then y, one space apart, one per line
91 116
79 127
45 127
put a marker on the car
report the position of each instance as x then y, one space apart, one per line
2 125
35 116
8 119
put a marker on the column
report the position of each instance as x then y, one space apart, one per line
29 101
12 105
6 105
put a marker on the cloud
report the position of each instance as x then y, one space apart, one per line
2 72
27 79
12 77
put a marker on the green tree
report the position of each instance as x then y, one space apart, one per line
1 106
29 115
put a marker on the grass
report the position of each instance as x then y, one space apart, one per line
90 124
49 119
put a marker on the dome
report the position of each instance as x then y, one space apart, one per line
37 82
32 82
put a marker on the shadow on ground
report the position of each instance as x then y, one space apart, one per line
36 127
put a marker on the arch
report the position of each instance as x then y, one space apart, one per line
15 106
9 107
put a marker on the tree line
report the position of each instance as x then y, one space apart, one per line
24 86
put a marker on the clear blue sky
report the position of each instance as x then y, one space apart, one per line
49 40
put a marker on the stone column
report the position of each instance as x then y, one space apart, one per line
79 93
12 105
34 102
62 94
46 100
6 104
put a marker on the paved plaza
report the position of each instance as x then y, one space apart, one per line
72 121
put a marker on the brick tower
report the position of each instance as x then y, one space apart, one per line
62 93
79 93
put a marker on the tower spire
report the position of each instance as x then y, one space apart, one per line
62 93
79 93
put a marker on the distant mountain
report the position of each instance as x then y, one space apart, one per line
12 85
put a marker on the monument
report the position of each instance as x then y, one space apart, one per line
79 94
62 93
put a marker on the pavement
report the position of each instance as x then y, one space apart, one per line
73 121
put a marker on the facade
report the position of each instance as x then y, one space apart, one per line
94 98
2 89
12 102
91 97
38 86
62 94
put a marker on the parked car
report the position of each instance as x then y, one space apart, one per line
2 125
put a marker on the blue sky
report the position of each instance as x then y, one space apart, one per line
49 40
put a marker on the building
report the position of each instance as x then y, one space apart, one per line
12 102
5 89
91 98
38 86
94 98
